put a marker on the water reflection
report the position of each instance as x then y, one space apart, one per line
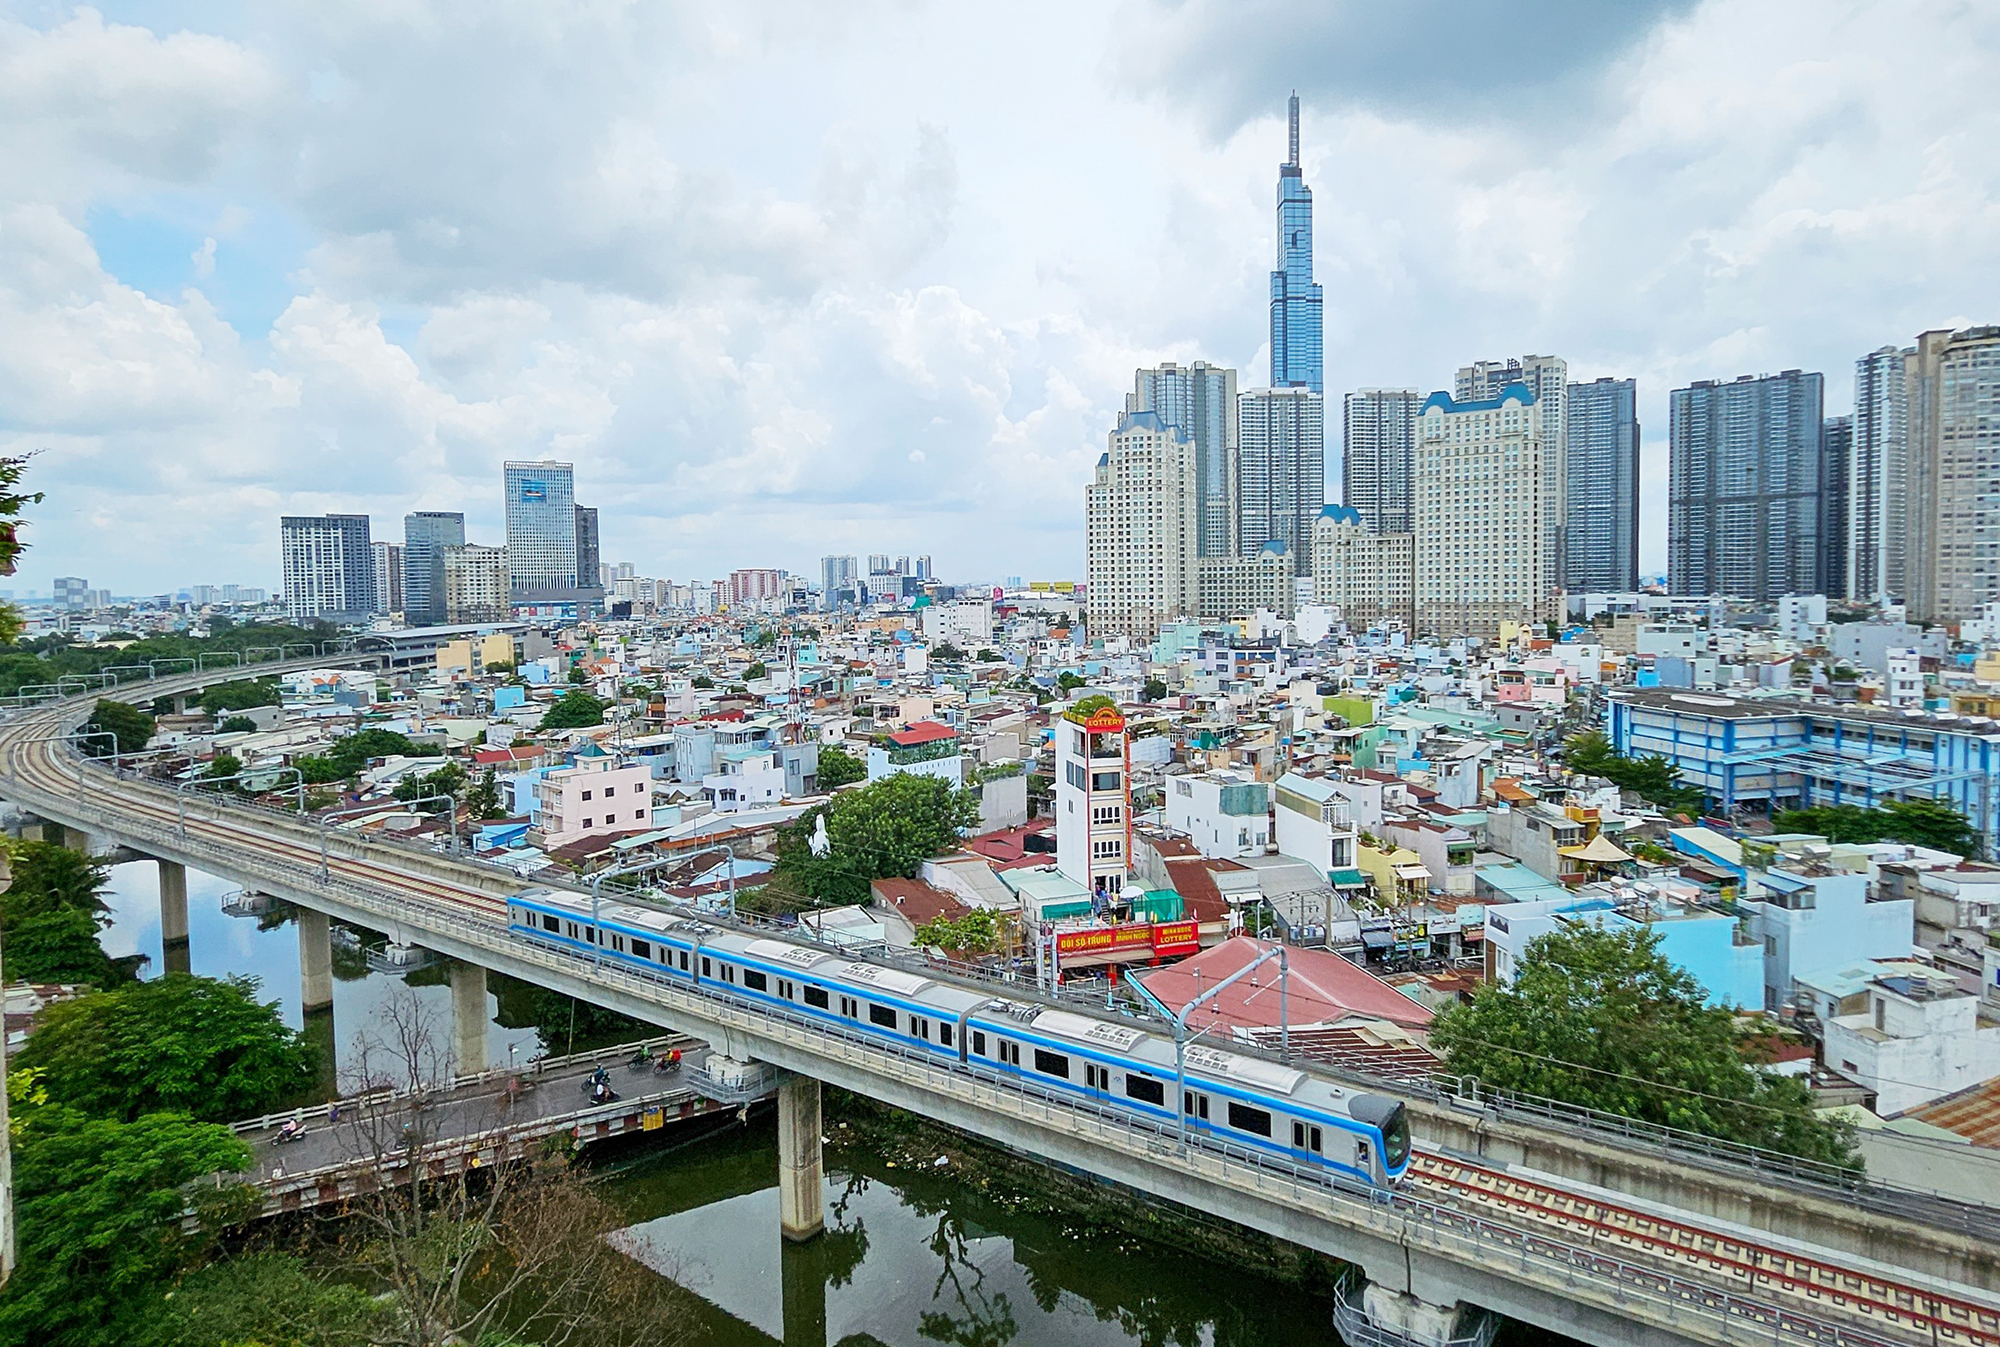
264 945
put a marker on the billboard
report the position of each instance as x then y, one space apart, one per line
534 488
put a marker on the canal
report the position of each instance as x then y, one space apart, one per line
925 1244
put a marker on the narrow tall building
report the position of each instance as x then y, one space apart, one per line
388 577
1378 456
1140 528
1481 534
1877 521
426 533
1282 482
1836 505
1298 336
329 568
589 569
1201 400
1743 508
1601 535
837 573
1953 561
1547 377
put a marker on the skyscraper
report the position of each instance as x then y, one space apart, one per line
541 532
426 533
589 570
836 574
1140 528
1743 507
1601 539
1547 377
924 570
1954 474
388 577
329 567
1201 400
1297 327
1836 504
1282 481
1878 476
1378 456
1480 535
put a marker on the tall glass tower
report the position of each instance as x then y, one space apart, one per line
1297 332
541 531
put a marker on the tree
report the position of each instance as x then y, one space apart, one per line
702 681
946 650
12 503
576 709
1155 690
756 671
838 767
447 780
236 725
1602 1020
1923 823
889 827
979 931
483 800
185 1044
57 946
987 655
51 878
100 1219
577 675
222 767
349 755
269 1299
126 723
1652 778
1066 680
240 695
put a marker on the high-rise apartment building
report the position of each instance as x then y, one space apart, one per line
1481 534
589 568
1201 400
1140 527
754 585
388 577
1282 481
878 564
1877 521
71 591
1298 335
1953 561
1836 504
837 574
1743 508
329 567
477 586
1601 535
1547 377
426 533
924 570
1369 576
1378 456
541 532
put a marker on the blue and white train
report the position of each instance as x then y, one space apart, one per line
1244 1101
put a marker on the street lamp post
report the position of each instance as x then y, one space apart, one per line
646 867
1182 1038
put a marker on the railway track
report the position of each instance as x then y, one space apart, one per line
1820 1297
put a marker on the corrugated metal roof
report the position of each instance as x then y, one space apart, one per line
1973 1114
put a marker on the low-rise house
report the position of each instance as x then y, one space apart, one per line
1920 1036
1225 814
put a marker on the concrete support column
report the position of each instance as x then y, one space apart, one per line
76 839
174 916
801 1196
315 961
468 1017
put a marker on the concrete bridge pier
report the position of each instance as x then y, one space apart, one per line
174 916
801 1195
468 1017
315 961
1385 1317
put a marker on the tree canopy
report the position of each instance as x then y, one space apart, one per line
1653 778
1923 823
838 767
889 827
12 503
126 723
1154 690
575 710
1603 1020
187 1044
350 754
447 780
240 695
979 931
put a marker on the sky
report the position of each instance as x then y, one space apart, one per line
792 279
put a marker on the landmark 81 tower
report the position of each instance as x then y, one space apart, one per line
1296 329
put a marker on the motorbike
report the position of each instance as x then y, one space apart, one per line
602 1094
666 1066
290 1132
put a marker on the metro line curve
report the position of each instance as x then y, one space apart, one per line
1816 1286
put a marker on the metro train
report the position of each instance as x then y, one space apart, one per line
1243 1101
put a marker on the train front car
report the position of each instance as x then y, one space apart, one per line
1391 1122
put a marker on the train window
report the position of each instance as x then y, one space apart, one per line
1194 1105
755 980
944 1032
1010 1053
572 929
551 924
704 967
979 1042
850 1008
1052 1063
1318 1141
642 949
816 997
1095 1078
882 1015
920 1027
1361 1154
1298 1136
1246 1119
684 961
1145 1089
729 972
786 989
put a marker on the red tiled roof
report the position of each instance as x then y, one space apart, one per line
915 900
1195 883
922 732
1323 988
1972 1113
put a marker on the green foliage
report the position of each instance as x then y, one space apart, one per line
349 755
223 766
565 1024
575 710
99 1214
58 946
185 1044
889 827
838 767
755 671
1601 1019
577 675
987 656
12 503
270 1300
448 780
1155 690
1923 823
946 650
51 878
1067 680
1086 706
47 658
483 800
702 681
236 725
1654 779
980 931
240 695
131 727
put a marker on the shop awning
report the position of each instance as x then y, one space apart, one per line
1347 879
1377 939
